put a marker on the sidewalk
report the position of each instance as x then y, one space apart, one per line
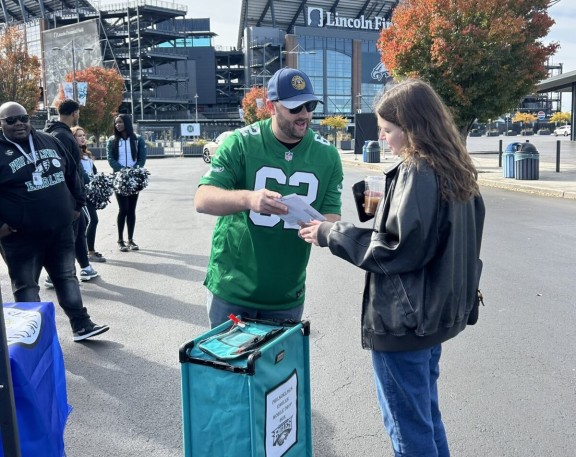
484 153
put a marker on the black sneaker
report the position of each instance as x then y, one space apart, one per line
89 331
133 246
122 246
96 257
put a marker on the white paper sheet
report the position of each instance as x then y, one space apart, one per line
299 210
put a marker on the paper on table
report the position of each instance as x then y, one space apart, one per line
299 210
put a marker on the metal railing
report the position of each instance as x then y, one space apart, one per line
136 3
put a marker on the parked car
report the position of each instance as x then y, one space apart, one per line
210 147
563 130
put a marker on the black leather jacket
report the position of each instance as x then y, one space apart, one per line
421 260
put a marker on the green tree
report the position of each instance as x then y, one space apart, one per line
254 105
105 87
481 56
19 71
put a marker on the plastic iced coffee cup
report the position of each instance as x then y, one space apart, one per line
373 192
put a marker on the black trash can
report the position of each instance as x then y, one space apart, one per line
526 162
508 159
372 152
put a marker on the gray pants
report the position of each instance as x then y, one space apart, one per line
219 310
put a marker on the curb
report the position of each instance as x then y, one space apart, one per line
528 189
525 186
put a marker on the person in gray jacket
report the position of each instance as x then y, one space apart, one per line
422 262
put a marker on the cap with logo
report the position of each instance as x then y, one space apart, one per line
291 88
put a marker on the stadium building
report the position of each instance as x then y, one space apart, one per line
174 75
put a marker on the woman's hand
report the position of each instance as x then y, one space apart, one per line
309 232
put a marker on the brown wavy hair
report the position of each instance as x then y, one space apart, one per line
431 135
84 148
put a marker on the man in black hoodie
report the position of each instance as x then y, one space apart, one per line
40 195
68 115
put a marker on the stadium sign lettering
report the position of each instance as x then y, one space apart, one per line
334 20
317 17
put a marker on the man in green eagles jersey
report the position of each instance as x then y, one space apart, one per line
258 263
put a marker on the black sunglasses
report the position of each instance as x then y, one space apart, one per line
11 120
310 106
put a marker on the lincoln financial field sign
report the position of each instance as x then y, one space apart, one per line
317 17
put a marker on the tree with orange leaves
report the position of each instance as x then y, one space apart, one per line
254 105
19 71
105 87
481 56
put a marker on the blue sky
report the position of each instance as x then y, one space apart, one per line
224 20
564 13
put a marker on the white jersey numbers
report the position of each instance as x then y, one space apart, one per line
296 179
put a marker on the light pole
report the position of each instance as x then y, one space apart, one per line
196 107
74 86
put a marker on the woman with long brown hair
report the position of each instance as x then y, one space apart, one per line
87 160
421 259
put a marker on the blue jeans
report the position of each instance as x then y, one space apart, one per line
26 253
408 398
219 310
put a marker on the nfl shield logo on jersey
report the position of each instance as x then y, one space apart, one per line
288 155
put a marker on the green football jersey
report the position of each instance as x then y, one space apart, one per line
258 260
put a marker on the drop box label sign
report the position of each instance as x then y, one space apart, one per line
282 417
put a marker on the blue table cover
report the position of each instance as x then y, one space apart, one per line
39 378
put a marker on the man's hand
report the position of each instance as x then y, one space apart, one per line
76 214
6 230
265 201
222 202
